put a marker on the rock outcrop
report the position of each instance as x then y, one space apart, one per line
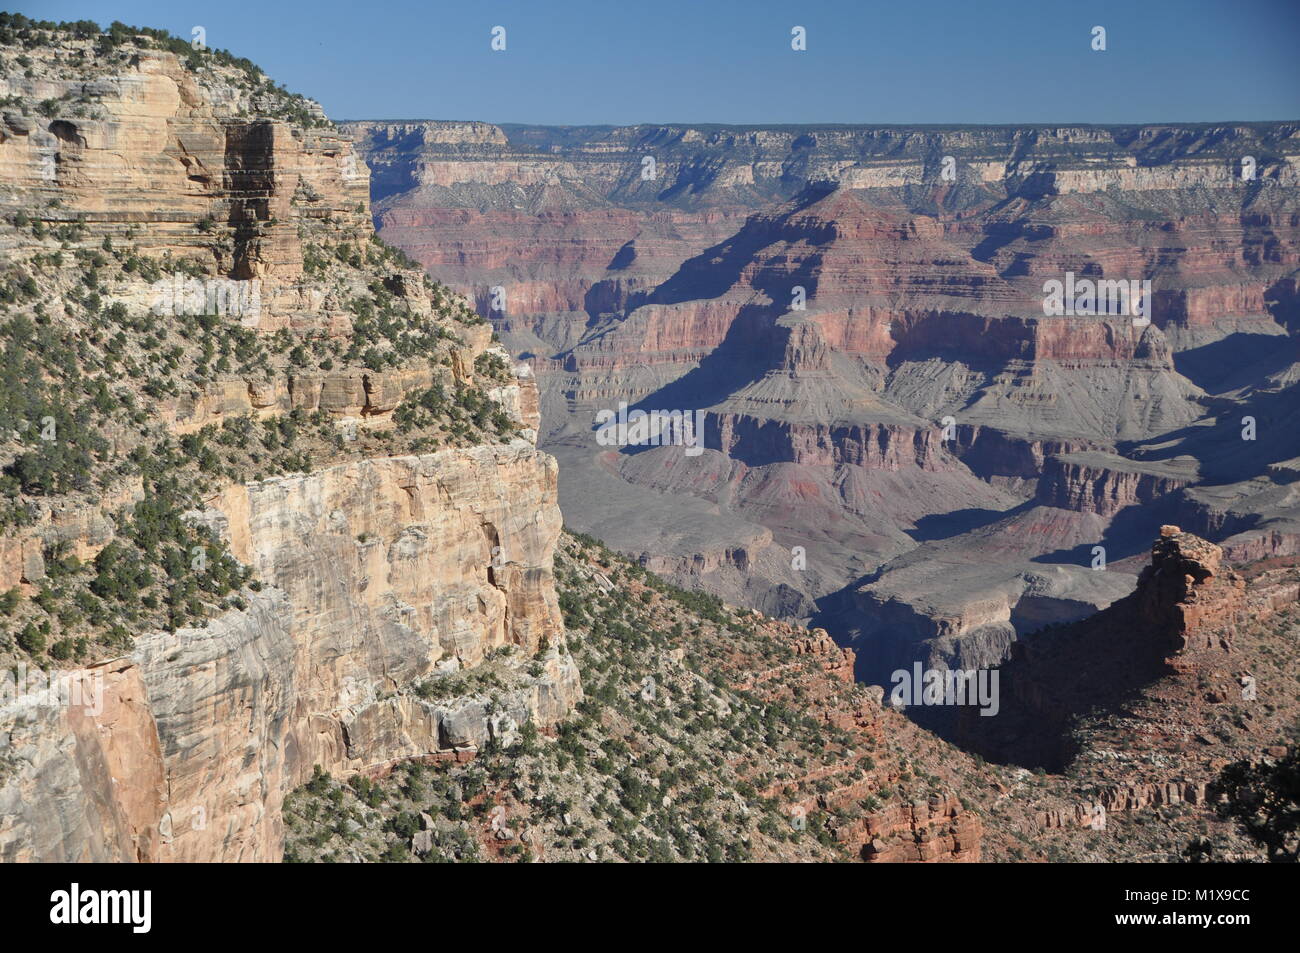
1179 635
378 577
937 829
1187 596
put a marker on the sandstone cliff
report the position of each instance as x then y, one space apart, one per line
378 576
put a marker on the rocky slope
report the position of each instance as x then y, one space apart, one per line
1141 707
713 733
858 317
708 734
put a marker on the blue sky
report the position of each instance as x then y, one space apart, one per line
623 62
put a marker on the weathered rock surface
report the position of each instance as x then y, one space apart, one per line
1175 637
378 575
169 147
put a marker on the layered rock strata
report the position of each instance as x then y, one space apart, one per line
378 576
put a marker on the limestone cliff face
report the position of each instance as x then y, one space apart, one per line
377 575
401 606
456 544
62 768
710 168
169 147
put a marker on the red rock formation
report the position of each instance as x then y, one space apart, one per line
938 829
1176 637
1186 596
835 660
1091 484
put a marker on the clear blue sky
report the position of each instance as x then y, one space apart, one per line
624 62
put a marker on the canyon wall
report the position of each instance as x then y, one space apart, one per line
399 600
1193 637
376 576
859 317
